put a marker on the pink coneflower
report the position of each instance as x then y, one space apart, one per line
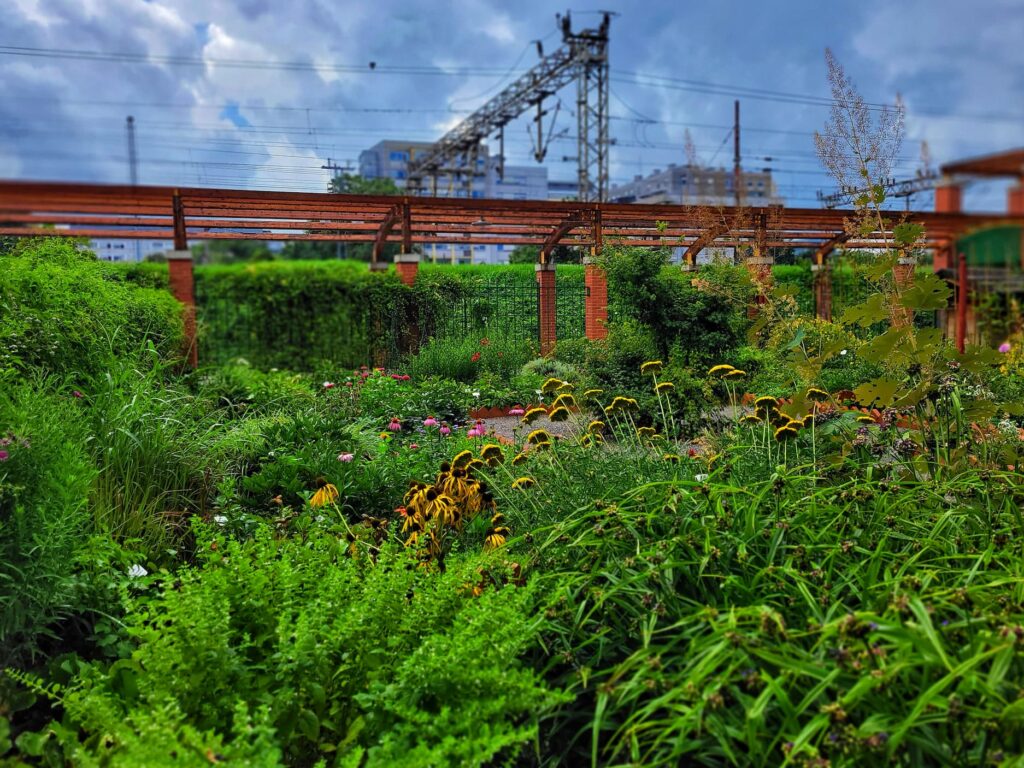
328 385
348 383
475 357
474 432
346 457
445 430
1005 347
395 425
406 377
76 394
414 446
516 411
4 455
430 421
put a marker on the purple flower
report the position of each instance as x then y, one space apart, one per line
76 394
4 455
1005 347
346 457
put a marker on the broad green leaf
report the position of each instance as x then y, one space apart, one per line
880 267
907 234
880 349
978 359
980 410
880 392
867 312
928 292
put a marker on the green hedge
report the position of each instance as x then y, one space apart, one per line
63 312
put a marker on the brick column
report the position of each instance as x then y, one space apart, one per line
179 268
546 305
948 199
822 276
760 269
903 274
596 314
407 265
1015 207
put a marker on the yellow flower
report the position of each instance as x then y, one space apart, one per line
497 534
328 494
560 413
766 401
586 439
646 432
808 420
671 458
865 419
595 426
523 483
751 418
566 387
720 370
817 395
519 458
592 394
491 451
785 432
538 436
652 366
564 401
551 385
533 414
735 373
610 409
462 459
620 403
383 435
664 387
475 464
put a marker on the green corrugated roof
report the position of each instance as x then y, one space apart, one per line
993 247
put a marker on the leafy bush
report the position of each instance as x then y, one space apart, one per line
466 359
300 650
60 313
45 477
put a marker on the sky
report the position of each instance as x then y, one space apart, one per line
72 70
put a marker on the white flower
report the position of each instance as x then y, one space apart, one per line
476 394
220 519
137 572
700 478
842 352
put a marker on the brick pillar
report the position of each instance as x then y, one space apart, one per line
903 274
822 272
179 268
596 315
546 305
407 265
948 199
1015 207
760 269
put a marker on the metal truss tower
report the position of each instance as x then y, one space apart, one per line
583 58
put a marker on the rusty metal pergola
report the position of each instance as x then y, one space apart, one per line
188 214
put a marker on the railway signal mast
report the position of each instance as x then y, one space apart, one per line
583 59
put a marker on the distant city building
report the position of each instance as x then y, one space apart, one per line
115 249
389 160
698 186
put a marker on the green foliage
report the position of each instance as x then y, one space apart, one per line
61 314
296 316
315 653
466 359
701 318
45 477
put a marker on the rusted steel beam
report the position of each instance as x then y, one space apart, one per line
382 234
556 235
703 241
180 236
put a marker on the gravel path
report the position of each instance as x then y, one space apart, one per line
503 426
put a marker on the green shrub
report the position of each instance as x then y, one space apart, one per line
466 359
45 477
60 313
700 317
295 648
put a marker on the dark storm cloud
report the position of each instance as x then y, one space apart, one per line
213 124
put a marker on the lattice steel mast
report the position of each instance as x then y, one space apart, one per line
583 58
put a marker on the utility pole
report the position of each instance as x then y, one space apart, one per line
133 170
736 152
336 170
